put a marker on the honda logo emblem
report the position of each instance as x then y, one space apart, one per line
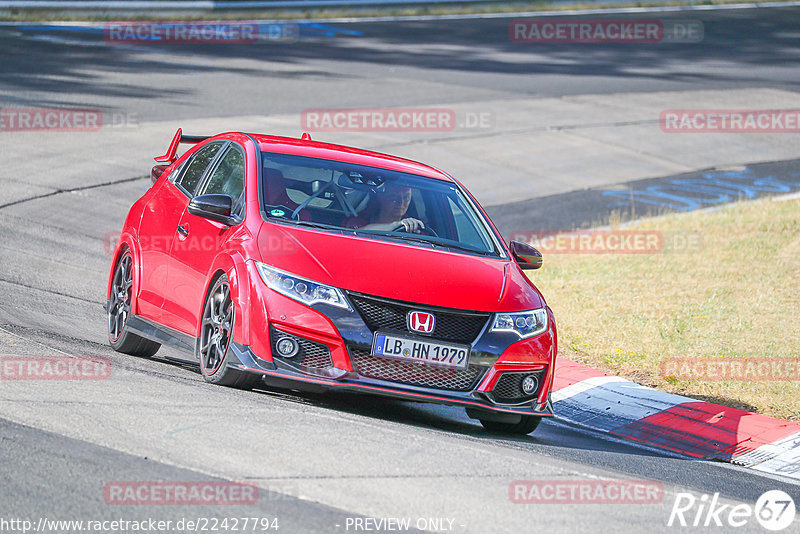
421 322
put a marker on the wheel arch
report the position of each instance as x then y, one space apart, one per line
125 242
235 269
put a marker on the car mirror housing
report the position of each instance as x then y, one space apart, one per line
526 256
214 207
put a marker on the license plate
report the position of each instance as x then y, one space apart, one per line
417 350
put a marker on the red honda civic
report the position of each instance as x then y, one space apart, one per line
310 265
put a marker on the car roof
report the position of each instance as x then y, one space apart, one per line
316 149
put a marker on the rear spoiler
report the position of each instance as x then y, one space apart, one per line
179 138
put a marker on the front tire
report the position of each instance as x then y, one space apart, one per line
525 426
216 335
119 309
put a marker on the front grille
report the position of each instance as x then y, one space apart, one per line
312 356
390 316
508 388
416 374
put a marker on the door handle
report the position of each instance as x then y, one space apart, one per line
183 231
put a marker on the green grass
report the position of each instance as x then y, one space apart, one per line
737 296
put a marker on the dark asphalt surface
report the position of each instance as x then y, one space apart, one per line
61 478
322 459
588 208
58 478
391 63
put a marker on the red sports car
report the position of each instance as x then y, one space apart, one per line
307 264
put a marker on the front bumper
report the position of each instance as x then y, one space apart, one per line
278 374
346 337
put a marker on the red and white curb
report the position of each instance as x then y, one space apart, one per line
695 428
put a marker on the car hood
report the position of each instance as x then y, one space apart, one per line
398 271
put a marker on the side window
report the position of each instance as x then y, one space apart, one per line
228 177
465 228
194 172
417 206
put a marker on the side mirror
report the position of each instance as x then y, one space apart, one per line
214 207
526 256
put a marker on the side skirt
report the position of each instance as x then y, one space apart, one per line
160 334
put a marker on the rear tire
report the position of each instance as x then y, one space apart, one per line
527 425
216 335
119 309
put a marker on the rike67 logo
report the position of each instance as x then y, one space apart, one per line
774 510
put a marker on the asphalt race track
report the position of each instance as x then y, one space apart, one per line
341 463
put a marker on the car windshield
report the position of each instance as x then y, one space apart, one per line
374 203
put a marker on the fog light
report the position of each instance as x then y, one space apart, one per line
287 347
530 384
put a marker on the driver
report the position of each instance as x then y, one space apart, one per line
393 204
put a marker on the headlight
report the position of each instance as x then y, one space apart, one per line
301 289
524 324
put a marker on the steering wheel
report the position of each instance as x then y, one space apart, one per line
427 230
